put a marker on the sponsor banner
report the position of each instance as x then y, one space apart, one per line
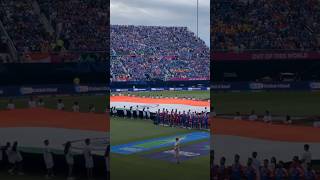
28 90
186 152
157 89
160 89
147 145
52 89
141 89
227 56
314 85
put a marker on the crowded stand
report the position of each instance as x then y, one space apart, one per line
157 53
44 26
242 25
301 167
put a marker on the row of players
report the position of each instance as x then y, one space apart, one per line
298 169
267 117
40 103
195 120
10 155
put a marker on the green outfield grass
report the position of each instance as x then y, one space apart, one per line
137 167
278 103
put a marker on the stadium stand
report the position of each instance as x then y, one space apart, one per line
39 28
242 25
157 53
265 41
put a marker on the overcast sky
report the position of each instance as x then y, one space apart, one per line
163 13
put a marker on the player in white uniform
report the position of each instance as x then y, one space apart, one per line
124 112
11 105
131 112
253 116
267 117
148 113
60 105
48 159
15 158
137 111
32 103
92 108
40 103
177 150
69 159
144 113
88 158
76 107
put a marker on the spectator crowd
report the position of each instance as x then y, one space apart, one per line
157 53
46 26
241 25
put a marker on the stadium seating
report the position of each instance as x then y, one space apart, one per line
157 53
46 26
242 25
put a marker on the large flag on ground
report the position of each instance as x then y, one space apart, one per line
30 127
159 103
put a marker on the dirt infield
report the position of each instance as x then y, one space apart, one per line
159 101
260 130
42 117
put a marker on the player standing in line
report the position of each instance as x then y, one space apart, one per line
280 172
11 105
48 159
309 173
76 107
92 108
32 103
137 111
131 112
144 113
253 116
222 171
9 154
60 104
295 171
306 156
69 159
16 158
40 103
250 172
148 113
177 150
124 112
265 172
87 153
256 163
236 168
